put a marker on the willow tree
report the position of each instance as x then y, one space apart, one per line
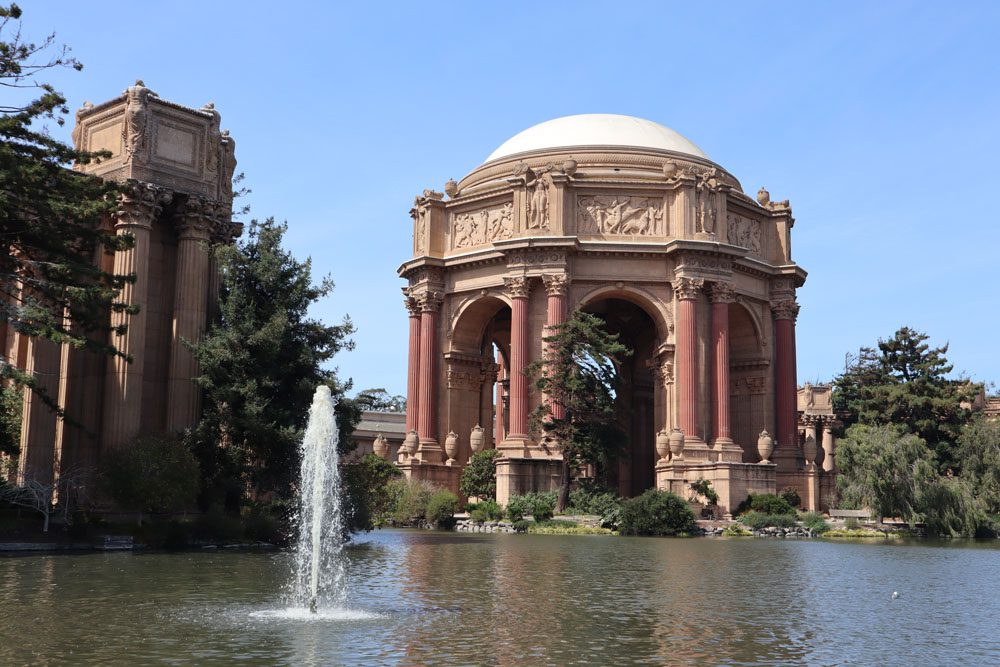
577 377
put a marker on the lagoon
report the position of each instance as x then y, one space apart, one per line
420 598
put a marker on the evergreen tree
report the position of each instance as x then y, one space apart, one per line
904 382
260 365
50 216
579 374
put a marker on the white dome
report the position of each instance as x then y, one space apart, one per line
596 129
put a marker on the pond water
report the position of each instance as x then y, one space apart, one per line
420 598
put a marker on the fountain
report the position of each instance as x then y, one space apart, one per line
319 571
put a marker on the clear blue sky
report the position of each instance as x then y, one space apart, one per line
880 121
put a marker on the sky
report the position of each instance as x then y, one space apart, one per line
879 121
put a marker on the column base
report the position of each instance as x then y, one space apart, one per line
516 445
429 451
727 450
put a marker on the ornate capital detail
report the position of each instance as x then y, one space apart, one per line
786 309
810 420
196 218
667 373
688 288
430 301
517 287
139 203
556 284
722 293
225 231
412 304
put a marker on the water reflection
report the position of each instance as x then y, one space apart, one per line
418 598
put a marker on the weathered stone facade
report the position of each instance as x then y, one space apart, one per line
177 167
662 242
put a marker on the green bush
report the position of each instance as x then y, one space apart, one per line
152 474
851 523
262 527
656 513
769 503
491 509
411 499
517 507
541 506
521 526
594 499
216 525
791 496
479 516
760 520
815 522
441 508
703 487
479 478
368 495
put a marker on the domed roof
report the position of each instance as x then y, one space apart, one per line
596 129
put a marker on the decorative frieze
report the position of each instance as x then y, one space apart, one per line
620 215
748 386
746 233
477 228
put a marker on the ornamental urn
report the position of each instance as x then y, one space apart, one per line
476 439
677 444
809 449
765 446
380 446
451 445
410 442
663 445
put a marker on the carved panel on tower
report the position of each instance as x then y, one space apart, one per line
620 215
476 228
746 233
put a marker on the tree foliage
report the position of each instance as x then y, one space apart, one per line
656 512
379 400
579 373
51 217
479 478
369 498
260 365
152 474
904 382
979 451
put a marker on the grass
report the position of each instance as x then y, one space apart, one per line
859 533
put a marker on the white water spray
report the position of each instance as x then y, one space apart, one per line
319 572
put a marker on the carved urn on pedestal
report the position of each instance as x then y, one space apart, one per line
765 446
663 445
809 449
451 446
380 446
476 439
677 445
410 443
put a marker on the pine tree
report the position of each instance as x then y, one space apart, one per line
578 373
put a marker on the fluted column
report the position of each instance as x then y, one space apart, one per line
500 414
429 450
38 420
686 290
785 391
137 208
829 447
518 288
722 295
191 287
413 366
556 288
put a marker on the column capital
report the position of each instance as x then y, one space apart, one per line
722 292
556 284
412 305
687 289
430 301
196 218
517 287
225 231
786 309
139 203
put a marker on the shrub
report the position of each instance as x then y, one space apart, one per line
851 523
479 516
736 530
594 499
491 509
760 520
153 474
261 527
791 496
479 478
411 496
769 503
656 513
815 522
217 526
441 508
517 507
703 487
520 526
541 506
368 496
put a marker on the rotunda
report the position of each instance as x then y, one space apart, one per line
625 218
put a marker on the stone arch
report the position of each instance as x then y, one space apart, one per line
472 316
749 375
648 302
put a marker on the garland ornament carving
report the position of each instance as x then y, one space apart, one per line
722 293
481 227
786 309
620 215
688 288
556 284
517 287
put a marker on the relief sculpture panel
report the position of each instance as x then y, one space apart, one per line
481 227
620 215
746 233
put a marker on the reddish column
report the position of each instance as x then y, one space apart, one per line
413 369
430 303
722 296
518 289
687 290
555 286
785 381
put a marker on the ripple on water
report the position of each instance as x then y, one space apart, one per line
320 615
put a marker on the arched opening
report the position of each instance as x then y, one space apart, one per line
477 373
748 378
634 393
